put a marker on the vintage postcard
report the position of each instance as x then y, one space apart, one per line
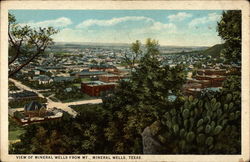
125 81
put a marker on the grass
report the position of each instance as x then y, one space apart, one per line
85 79
80 108
14 135
15 130
77 84
46 94
83 97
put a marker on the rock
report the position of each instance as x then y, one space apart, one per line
150 145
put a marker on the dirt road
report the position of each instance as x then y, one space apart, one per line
51 104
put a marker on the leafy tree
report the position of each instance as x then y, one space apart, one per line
133 57
25 42
81 135
137 103
229 29
94 62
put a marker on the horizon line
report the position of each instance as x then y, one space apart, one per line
142 44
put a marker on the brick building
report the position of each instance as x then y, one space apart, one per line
87 74
94 88
110 78
102 67
214 80
212 71
205 78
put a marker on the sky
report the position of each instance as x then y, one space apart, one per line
169 27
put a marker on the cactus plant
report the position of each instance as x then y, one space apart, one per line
217 129
209 141
200 138
201 123
190 136
185 113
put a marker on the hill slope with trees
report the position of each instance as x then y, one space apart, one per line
214 51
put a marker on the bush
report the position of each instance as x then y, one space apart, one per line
18 115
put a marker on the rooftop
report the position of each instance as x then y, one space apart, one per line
33 106
23 94
97 83
61 78
90 73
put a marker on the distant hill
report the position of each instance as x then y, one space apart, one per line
214 51
122 45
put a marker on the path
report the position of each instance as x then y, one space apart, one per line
51 104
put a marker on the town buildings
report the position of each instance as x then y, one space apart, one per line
22 95
35 108
94 88
110 78
205 78
94 70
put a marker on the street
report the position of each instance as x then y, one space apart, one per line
51 104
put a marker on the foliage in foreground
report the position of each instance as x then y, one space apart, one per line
229 29
84 134
210 125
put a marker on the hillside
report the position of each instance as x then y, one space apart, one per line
214 51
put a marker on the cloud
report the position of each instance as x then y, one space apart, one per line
60 22
179 16
113 21
114 35
212 17
132 28
147 22
160 26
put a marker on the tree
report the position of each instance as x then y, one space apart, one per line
94 62
80 135
131 58
229 29
25 42
137 103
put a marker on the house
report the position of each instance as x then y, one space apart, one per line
87 74
205 79
24 95
193 91
63 79
110 78
94 88
121 71
102 67
54 68
34 108
41 71
43 79
211 71
215 80
68 89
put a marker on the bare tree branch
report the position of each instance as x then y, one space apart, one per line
18 48
26 63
